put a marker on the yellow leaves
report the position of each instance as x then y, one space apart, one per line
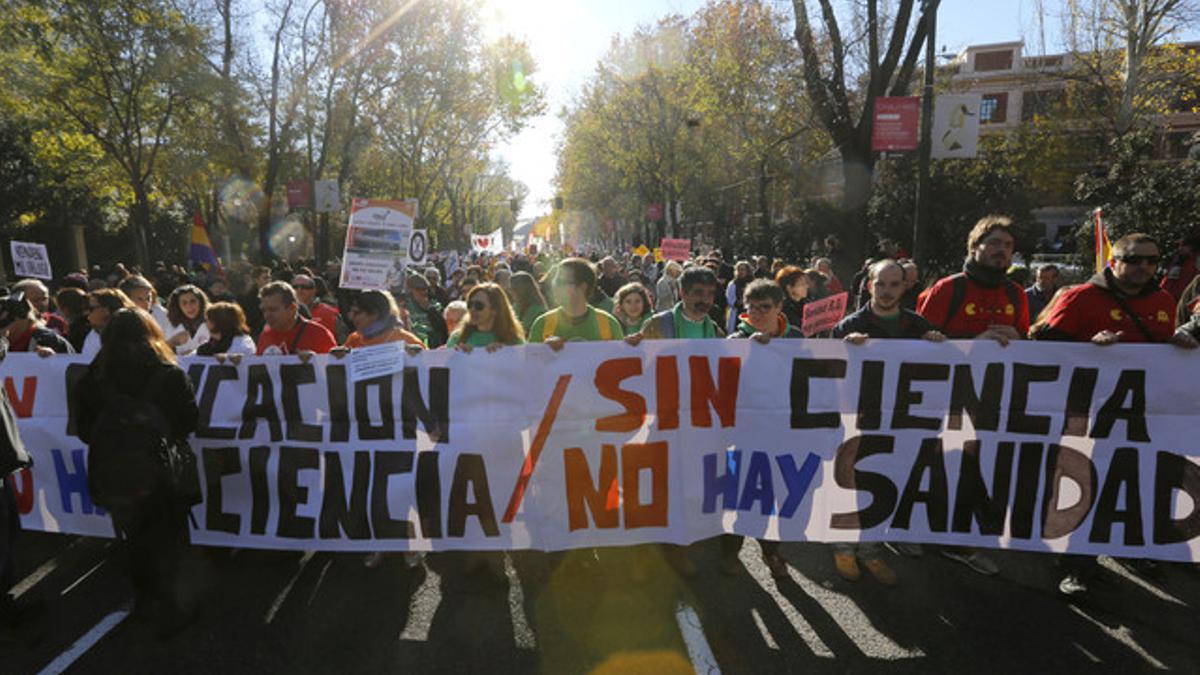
30 218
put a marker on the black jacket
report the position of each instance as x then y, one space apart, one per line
166 386
912 325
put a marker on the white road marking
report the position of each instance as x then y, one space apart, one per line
41 572
313 596
703 661
1123 635
522 634
83 578
857 626
89 639
758 570
762 628
422 606
1091 656
287 589
1108 563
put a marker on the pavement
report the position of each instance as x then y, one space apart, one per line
603 611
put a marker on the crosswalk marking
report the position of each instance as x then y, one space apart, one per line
523 635
89 639
703 661
762 628
422 606
83 578
751 556
316 587
1123 635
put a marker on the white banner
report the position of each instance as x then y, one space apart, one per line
492 242
1038 446
30 260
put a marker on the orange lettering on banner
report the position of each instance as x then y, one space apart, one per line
704 392
23 489
608 382
634 458
666 390
22 405
584 496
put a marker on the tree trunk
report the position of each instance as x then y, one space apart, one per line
139 220
764 203
858 170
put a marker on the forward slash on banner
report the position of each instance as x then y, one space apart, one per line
535 449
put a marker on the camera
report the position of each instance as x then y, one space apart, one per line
14 307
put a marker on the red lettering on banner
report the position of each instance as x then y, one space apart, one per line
22 405
584 496
608 382
704 392
634 458
606 498
24 493
666 390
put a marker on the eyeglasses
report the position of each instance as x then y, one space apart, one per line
761 306
478 306
1139 259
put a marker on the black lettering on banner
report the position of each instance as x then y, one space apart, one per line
260 403
260 491
1029 478
1130 384
341 514
292 376
1064 462
1174 472
429 494
870 396
802 371
470 476
971 498
1123 472
906 397
293 460
879 486
339 406
386 430
218 463
388 464
434 417
983 408
936 497
208 400
1079 401
72 375
1019 422
195 373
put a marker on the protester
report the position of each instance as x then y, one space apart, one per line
666 291
690 317
73 307
1182 269
763 321
141 292
434 277
796 285
287 332
228 332
39 296
454 313
632 307
102 304
135 377
424 313
259 277
309 295
23 329
185 310
832 283
376 321
528 302
1043 288
490 321
574 281
218 291
611 279
912 285
744 273
13 458
1121 304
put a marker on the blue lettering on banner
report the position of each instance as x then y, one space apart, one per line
74 482
759 485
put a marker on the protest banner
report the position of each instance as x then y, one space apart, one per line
1037 446
822 315
676 249
30 260
378 243
492 242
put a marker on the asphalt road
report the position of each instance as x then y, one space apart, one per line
611 611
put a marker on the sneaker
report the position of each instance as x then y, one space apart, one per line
373 560
975 560
907 549
1072 585
882 573
847 566
412 559
777 565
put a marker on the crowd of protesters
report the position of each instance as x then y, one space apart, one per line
134 324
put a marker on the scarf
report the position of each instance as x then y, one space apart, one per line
384 325
710 329
984 276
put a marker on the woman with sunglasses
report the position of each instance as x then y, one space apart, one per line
102 304
490 321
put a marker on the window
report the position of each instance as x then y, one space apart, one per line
1001 60
994 108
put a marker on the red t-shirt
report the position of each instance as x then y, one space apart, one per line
304 335
327 315
981 307
1087 309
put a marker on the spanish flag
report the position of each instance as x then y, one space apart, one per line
1103 247
202 252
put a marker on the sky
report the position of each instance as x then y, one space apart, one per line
567 38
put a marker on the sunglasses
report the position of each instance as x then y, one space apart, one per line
478 306
1139 259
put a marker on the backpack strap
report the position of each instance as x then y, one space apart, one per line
1132 315
666 324
603 327
550 325
299 334
958 293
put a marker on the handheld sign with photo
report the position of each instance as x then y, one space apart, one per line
379 243
31 260
823 314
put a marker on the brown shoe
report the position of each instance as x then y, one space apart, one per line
777 565
882 573
847 566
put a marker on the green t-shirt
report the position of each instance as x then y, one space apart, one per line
587 329
692 330
891 324
479 338
636 326
530 314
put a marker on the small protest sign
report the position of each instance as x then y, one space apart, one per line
822 315
31 260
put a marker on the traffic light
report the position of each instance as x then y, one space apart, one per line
514 205
558 203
